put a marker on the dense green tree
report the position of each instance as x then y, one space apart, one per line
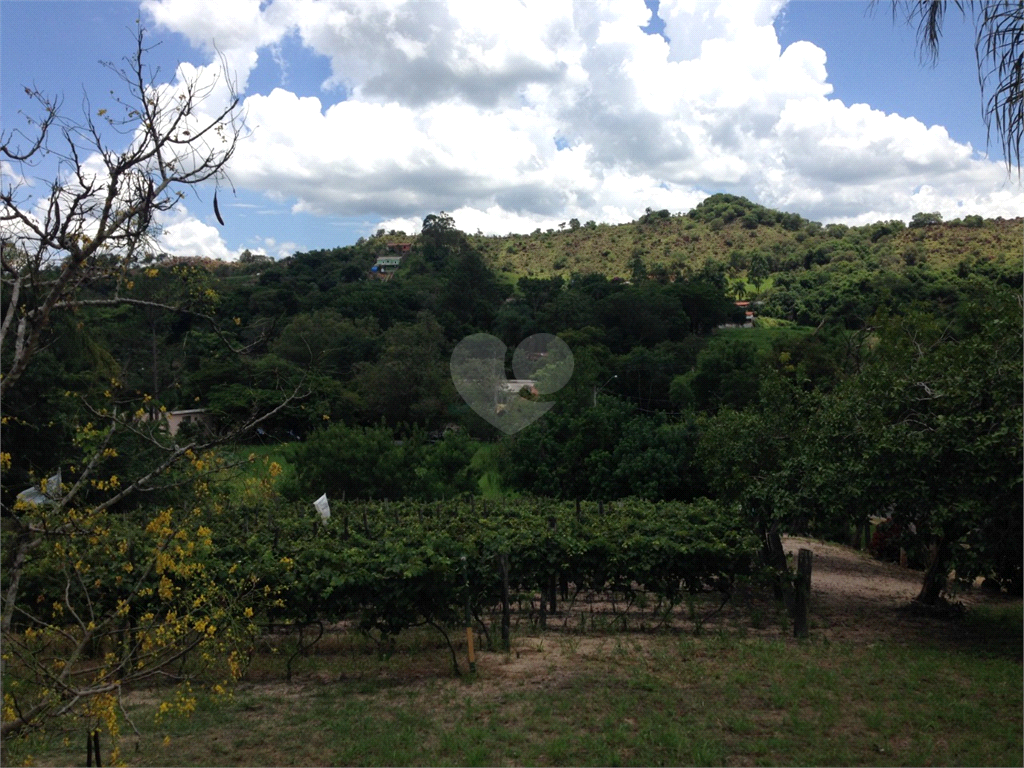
758 271
746 457
726 374
40 417
646 373
326 341
397 301
593 366
567 454
637 269
642 316
440 239
925 219
539 292
568 309
937 413
409 382
353 463
469 295
513 322
654 459
236 392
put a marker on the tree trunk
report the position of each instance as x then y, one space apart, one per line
775 557
935 576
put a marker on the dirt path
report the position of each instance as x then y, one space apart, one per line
856 597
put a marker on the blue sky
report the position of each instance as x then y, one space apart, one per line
367 116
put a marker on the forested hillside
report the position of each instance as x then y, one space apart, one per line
637 303
746 236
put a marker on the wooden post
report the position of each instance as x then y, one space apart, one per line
469 617
92 745
552 576
803 593
505 610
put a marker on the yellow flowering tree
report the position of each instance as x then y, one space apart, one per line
111 575
112 601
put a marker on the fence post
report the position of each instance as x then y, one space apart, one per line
505 610
552 586
469 617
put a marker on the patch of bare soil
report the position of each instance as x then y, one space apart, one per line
855 597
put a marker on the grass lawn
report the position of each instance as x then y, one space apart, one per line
730 697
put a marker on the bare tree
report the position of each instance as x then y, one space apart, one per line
97 217
125 599
999 51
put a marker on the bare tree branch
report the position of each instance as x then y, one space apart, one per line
103 208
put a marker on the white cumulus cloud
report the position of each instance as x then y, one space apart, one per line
184 235
515 115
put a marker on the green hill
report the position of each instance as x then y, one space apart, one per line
734 232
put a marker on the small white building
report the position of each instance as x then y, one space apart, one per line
515 386
175 419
